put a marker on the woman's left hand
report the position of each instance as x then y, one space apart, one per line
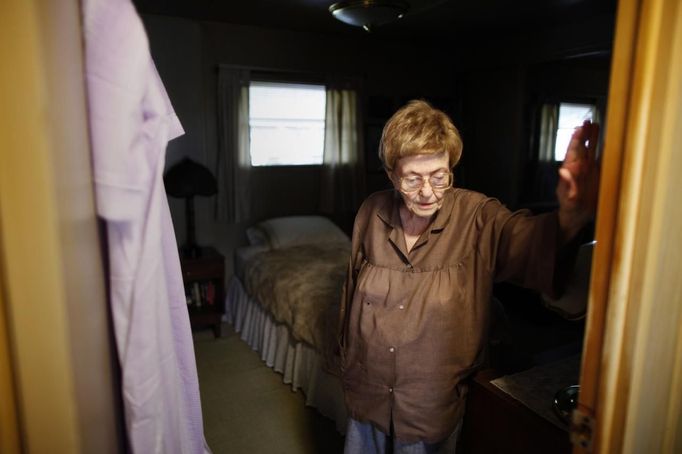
578 185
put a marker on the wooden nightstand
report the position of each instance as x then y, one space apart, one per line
204 279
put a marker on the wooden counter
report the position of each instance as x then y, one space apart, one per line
516 419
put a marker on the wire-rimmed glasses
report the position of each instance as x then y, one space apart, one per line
438 181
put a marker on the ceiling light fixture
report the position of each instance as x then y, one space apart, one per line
369 13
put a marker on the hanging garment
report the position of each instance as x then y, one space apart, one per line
131 122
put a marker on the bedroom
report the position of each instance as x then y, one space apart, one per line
498 81
493 72
493 87
485 86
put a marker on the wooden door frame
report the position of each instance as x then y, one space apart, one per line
634 311
57 387
33 291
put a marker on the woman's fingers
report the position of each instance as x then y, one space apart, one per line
581 152
568 183
577 185
587 136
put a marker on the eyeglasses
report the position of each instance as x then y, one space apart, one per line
439 180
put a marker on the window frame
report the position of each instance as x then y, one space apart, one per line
266 77
596 115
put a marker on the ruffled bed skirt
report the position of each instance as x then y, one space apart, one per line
298 362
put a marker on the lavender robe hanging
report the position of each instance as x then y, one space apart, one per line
131 122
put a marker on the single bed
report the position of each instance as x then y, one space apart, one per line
284 302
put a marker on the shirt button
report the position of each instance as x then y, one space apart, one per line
401 307
390 390
391 349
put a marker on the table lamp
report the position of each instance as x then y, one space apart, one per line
188 179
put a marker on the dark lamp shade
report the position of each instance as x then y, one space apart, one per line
188 179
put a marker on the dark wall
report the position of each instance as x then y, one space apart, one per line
491 129
490 87
503 81
500 120
382 70
285 190
187 54
583 80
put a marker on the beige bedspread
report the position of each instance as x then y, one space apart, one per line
301 287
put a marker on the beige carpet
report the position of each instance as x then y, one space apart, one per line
247 408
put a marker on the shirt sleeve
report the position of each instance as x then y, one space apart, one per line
525 249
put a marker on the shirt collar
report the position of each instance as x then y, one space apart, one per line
390 213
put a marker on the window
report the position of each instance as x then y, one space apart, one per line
570 116
286 124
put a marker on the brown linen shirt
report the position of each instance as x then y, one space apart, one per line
414 325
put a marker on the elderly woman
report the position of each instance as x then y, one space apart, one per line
424 258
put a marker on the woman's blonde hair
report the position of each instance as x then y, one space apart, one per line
417 128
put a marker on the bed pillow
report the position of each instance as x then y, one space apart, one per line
294 231
256 236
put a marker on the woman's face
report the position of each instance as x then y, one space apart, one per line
425 201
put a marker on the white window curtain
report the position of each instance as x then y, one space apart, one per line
549 122
233 162
342 168
541 188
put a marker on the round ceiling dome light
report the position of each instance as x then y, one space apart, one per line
369 13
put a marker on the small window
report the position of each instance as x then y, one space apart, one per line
286 123
570 117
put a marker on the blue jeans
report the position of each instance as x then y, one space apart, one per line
364 438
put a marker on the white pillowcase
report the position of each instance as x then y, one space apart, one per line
294 231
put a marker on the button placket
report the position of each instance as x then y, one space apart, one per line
391 350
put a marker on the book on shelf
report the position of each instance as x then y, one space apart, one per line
210 293
196 294
200 294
